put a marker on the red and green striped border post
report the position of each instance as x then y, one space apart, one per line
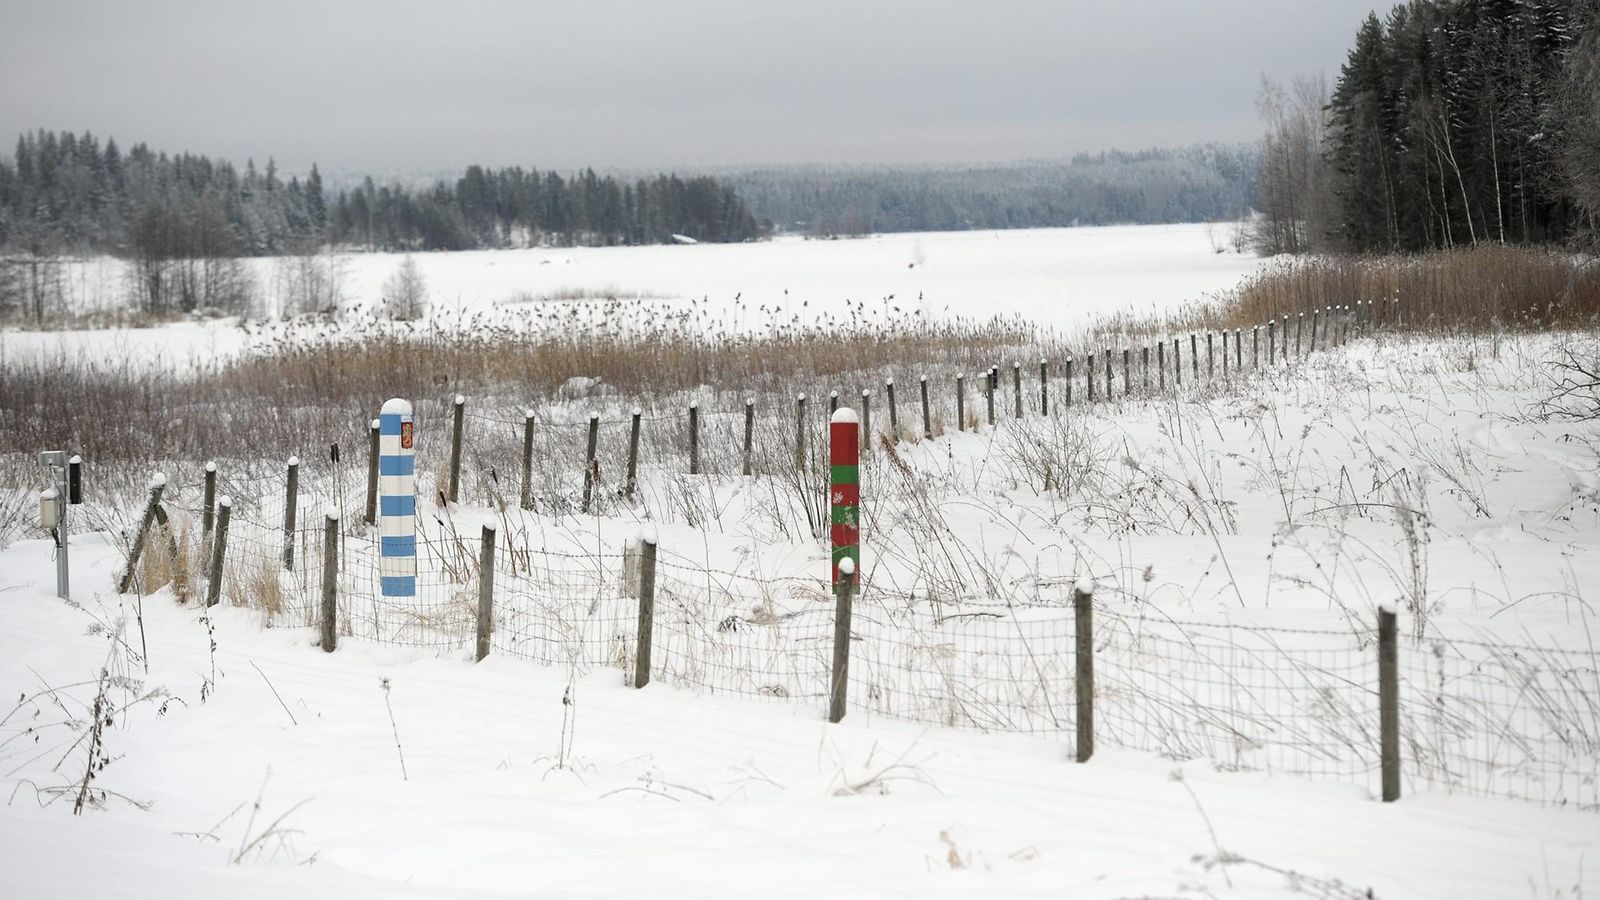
844 486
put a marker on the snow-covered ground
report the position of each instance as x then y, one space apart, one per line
1286 507
1059 278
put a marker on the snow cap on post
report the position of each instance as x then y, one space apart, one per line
844 487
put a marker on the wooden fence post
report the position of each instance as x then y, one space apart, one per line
219 550
843 591
927 420
158 484
371 516
645 637
1211 360
1144 370
1016 388
694 438
1238 349
1161 366
526 501
1389 703
1177 363
1272 341
632 483
1109 364
1224 353
800 432
988 390
833 402
1316 317
485 589
1044 387
1127 375
588 461
866 420
291 502
749 432
1284 352
1067 399
1083 609
961 403
458 423
1088 376
208 516
330 581
1299 327
894 412
1194 356
1255 348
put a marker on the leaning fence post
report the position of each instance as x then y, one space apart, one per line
485 589
749 432
1016 387
961 403
1083 609
589 458
927 421
291 501
455 448
219 549
330 581
158 484
645 635
632 481
1389 703
527 459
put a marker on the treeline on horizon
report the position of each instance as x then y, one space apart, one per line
68 193
1452 123
1201 183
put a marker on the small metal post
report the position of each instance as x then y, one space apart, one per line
485 590
526 500
750 432
330 581
632 484
291 500
219 550
455 449
645 637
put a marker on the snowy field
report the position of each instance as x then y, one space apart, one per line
1241 535
1059 278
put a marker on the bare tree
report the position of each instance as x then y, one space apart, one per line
1294 183
1579 102
405 293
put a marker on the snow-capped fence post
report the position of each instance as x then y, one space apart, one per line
1211 359
1088 376
1238 350
1144 370
1389 703
632 482
645 635
1068 398
894 412
485 589
1044 387
927 419
1194 356
1299 326
397 501
988 391
866 421
1224 354
1272 341
219 549
291 502
1016 388
749 433
1083 613
526 500
1161 367
800 431
457 423
591 447
1255 348
833 402
330 581
208 511
1109 396
1127 375
1284 353
1177 363
370 517
844 589
158 485
1316 318
961 403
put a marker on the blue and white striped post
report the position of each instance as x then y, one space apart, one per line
397 500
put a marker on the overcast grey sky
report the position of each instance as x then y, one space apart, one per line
390 85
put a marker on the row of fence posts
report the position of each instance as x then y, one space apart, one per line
1327 327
